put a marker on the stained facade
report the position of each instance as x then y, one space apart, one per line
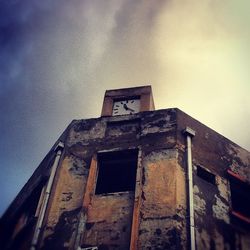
122 182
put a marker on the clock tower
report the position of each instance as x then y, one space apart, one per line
127 101
134 180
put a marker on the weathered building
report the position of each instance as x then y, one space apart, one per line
135 178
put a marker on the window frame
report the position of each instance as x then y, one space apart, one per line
237 181
133 172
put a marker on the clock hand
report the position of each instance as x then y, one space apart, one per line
127 108
131 110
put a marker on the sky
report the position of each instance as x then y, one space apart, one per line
57 58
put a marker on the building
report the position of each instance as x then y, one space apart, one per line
135 178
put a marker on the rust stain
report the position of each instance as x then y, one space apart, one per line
90 183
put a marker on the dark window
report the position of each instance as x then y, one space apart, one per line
116 171
205 175
240 199
25 222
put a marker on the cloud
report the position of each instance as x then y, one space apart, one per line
58 57
48 52
199 50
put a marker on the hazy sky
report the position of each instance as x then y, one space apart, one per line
57 58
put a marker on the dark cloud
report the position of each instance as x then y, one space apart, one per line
58 57
48 50
25 91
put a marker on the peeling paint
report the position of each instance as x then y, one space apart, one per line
77 167
81 133
163 208
240 170
160 123
162 212
241 153
223 187
221 210
109 220
202 239
199 203
64 229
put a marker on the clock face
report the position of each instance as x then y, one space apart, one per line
126 107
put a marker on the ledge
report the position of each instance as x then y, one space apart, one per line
241 217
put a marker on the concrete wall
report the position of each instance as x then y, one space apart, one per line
107 219
163 209
155 214
214 225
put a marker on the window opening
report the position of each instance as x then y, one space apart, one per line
206 175
240 199
26 217
116 171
